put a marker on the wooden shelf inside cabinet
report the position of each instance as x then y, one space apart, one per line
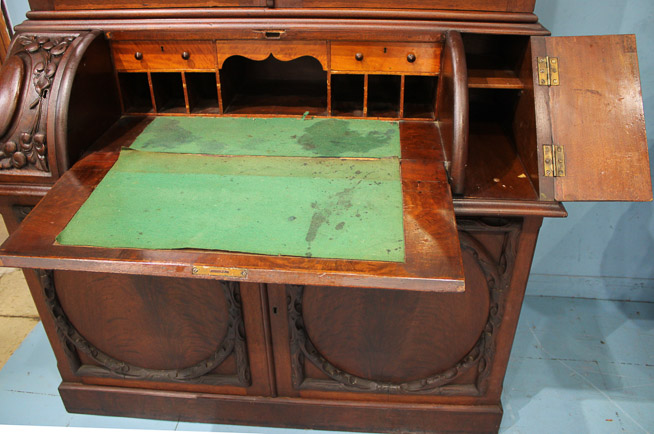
494 79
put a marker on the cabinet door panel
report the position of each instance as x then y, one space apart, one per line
191 333
596 114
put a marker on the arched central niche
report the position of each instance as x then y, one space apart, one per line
273 86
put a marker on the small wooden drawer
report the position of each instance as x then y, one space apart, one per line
164 56
381 57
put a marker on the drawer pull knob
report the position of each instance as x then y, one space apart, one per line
186 55
411 58
359 56
138 55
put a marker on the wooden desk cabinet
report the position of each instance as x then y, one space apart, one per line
498 124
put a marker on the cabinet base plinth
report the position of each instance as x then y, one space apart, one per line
279 412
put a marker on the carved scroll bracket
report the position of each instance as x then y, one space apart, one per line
24 147
234 343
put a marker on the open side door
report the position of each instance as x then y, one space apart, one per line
592 144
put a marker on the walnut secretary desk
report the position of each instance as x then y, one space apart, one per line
491 123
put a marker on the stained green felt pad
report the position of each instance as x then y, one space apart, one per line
289 137
320 207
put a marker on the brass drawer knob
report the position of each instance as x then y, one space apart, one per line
359 56
411 58
186 55
138 55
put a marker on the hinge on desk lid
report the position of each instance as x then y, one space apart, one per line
548 71
554 160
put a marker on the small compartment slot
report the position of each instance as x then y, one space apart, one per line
347 95
168 92
496 61
495 165
135 92
419 96
487 105
384 95
273 86
202 92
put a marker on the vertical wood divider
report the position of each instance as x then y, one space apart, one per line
152 98
329 93
187 101
220 93
118 86
365 95
329 78
402 81
120 92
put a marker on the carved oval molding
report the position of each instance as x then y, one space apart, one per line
233 343
395 336
497 276
11 79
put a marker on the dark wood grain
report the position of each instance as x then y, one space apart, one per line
316 29
473 5
394 336
135 4
150 322
47 13
287 412
453 109
597 167
79 119
523 126
494 168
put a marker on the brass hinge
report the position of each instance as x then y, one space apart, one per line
554 160
548 71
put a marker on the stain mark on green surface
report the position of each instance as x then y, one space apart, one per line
271 137
318 219
335 137
170 135
340 226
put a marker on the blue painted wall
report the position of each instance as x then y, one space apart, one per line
602 250
16 10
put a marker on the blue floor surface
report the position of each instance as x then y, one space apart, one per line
580 366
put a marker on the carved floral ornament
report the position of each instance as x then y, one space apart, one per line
26 146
